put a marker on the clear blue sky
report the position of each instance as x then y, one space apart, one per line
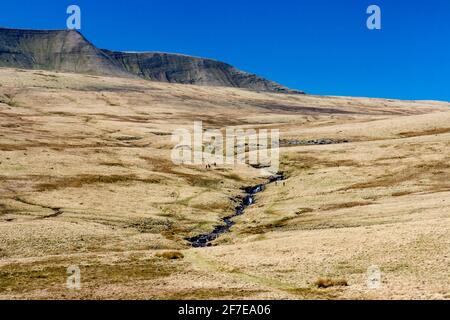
320 46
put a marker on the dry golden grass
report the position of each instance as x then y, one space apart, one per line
86 179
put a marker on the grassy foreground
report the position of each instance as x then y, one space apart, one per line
86 179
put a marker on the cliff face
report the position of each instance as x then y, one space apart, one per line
66 51
178 68
69 51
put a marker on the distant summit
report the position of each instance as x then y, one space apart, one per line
69 51
66 51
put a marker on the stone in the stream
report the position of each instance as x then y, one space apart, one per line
248 200
239 210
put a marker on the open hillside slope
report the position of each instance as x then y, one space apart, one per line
86 179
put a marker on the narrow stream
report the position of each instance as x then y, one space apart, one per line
204 240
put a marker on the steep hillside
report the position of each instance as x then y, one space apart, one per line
54 50
177 68
69 51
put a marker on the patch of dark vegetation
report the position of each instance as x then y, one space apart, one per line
259 166
202 182
152 225
344 205
12 103
435 131
128 138
112 164
161 133
323 141
64 114
233 176
123 118
9 99
4 209
402 193
325 283
301 211
302 109
107 88
11 125
56 212
267 227
45 75
170 255
79 181
159 165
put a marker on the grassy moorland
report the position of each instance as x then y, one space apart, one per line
86 179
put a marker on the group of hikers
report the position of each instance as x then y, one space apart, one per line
208 166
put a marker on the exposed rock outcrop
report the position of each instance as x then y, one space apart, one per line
177 68
69 51
66 51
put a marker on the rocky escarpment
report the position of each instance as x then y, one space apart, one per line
69 51
177 68
66 51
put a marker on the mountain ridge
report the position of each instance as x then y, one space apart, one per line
70 51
